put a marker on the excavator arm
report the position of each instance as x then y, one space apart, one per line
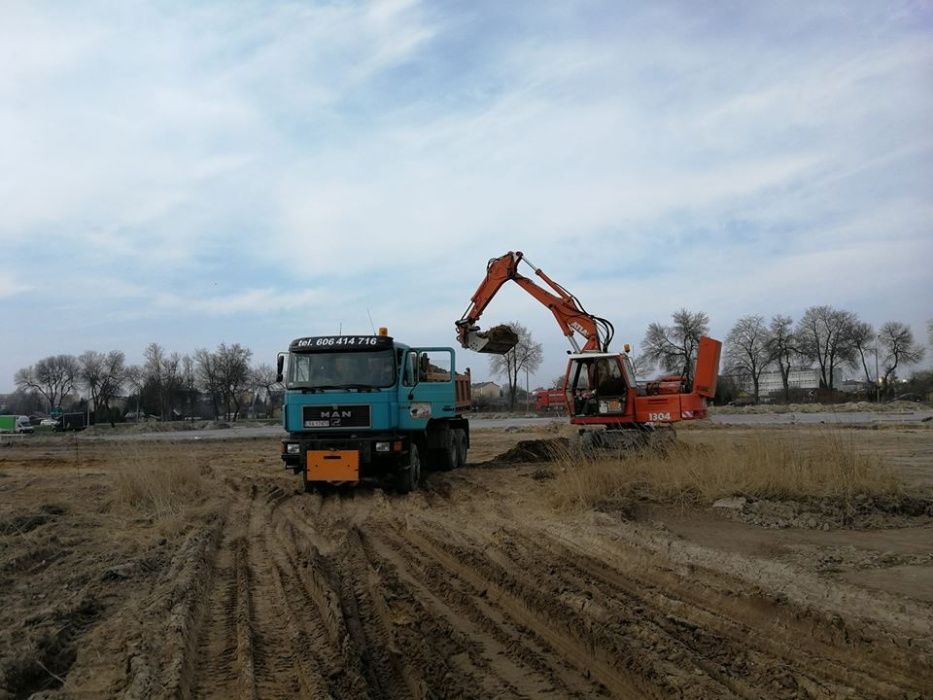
568 312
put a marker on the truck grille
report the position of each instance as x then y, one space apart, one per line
318 417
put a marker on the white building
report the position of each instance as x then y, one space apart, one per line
770 380
486 390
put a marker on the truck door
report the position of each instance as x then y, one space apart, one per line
427 388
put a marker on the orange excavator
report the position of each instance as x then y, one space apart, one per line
600 387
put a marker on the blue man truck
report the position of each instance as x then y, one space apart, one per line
368 408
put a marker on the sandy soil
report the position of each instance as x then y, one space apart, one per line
475 587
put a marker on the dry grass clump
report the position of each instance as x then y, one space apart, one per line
765 466
160 483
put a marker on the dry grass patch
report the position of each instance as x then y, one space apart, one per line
769 466
162 482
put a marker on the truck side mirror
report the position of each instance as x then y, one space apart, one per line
279 366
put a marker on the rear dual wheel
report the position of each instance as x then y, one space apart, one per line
454 452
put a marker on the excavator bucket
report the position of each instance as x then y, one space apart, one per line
496 341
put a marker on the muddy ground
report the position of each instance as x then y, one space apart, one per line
238 584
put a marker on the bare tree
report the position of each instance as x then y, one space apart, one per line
644 366
172 383
782 346
863 341
154 368
188 384
208 377
102 375
136 377
263 381
233 375
747 350
675 347
526 355
896 340
54 377
825 337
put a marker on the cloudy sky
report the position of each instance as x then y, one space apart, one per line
192 173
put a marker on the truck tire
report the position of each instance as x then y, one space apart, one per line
409 478
447 456
461 440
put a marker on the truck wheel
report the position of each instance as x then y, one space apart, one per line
461 447
409 477
448 455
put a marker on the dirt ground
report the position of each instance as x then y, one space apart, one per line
241 585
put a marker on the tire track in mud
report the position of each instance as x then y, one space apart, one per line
534 605
556 640
225 663
737 636
402 608
738 639
719 627
507 657
345 587
433 595
285 660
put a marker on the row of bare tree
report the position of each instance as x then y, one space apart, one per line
168 382
825 338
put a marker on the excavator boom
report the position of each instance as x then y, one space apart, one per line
566 308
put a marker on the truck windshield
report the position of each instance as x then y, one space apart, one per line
341 370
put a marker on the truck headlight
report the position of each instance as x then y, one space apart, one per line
383 446
293 448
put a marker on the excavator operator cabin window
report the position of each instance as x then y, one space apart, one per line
609 380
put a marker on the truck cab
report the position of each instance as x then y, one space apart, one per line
368 408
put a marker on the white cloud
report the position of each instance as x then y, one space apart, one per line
250 301
10 287
648 158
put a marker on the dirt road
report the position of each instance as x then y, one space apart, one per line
474 587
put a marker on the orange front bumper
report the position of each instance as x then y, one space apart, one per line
333 465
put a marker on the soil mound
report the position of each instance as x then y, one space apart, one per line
862 512
534 451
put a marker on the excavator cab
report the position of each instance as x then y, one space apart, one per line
597 384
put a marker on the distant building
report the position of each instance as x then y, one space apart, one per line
855 386
799 378
486 390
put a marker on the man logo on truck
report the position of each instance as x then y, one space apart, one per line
336 414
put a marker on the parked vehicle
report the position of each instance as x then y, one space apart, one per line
550 401
15 424
364 407
72 421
